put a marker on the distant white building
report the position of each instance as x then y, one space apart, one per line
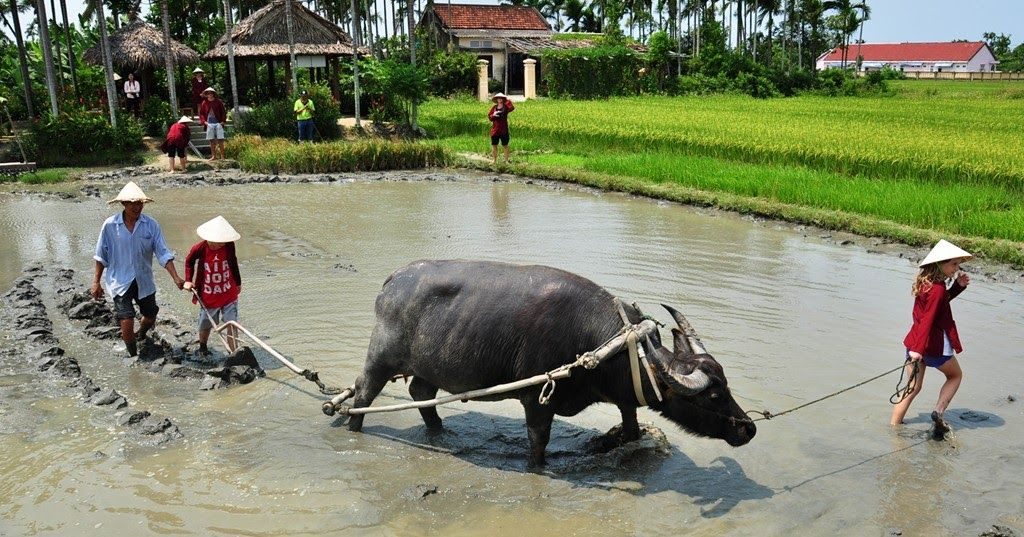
951 57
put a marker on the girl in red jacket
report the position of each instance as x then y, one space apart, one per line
498 115
933 338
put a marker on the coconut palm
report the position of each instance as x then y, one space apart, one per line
108 65
172 92
290 22
847 20
767 9
26 82
44 41
412 56
71 51
355 58
229 26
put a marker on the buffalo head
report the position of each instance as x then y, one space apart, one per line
697 396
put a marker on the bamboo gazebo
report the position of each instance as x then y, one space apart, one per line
138 47
263 37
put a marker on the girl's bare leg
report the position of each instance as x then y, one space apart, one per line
899 411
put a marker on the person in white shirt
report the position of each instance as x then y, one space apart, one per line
133 95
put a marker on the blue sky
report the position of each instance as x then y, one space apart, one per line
912 20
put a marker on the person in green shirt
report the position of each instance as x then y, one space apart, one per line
304 116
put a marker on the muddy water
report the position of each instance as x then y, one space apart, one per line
791 316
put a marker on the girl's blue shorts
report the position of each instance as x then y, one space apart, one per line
934 361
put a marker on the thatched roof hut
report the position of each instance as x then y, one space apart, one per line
264 35
139 46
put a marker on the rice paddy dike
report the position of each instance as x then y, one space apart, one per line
936 159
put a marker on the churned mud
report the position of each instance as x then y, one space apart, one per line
168 351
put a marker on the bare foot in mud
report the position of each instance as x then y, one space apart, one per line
941 427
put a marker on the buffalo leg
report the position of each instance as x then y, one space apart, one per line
630 427
538 427
421 390
368 386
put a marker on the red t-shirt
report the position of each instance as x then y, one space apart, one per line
218 287
499 118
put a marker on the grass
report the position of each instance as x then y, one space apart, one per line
39 177
255 154
948 162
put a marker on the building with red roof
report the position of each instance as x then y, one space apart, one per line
949 57
502 35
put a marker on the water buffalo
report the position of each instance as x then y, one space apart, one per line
465 325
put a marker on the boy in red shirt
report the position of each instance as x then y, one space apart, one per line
211 268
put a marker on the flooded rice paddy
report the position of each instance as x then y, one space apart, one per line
791 313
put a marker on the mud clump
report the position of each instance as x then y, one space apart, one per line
23 311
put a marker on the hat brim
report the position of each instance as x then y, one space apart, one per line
133 200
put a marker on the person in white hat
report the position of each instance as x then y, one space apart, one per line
199 83
933 339
212 116
499 124
124 262
176 143
211 268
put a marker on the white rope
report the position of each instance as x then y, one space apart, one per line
588 360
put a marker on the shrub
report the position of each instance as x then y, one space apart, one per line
82 138
394 85
278 156
277 118
593 73
156 117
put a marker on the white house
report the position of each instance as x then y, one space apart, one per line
951 57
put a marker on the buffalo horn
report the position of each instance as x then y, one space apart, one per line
694 345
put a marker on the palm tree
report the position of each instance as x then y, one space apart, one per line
172 92
767 9
574 11
71 51
848 20
291 44
229 26
44 41
108 65
412 56
355 58
26 82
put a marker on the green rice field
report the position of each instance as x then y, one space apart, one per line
940 158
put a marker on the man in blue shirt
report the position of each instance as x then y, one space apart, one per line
124 261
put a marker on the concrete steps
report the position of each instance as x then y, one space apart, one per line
198 136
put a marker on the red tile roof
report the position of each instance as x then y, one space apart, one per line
469 16
891 52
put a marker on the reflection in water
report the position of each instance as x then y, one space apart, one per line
789 317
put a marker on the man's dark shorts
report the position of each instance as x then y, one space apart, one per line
124 309
503 138
172 151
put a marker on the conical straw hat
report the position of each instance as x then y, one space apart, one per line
185 119
198 70
944 251
131 192
218 230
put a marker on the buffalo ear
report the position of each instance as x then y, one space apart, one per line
680 343
684 384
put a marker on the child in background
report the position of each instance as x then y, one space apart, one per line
211 268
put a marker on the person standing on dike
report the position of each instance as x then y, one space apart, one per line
213 115
933 339
124 261
199 84
499 124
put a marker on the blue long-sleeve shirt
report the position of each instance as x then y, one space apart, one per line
128 256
